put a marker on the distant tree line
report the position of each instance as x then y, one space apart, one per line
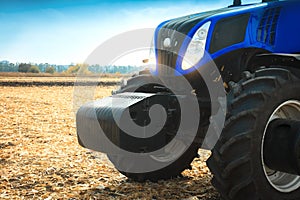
6 66
114 69
97 69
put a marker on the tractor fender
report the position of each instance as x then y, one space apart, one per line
271 59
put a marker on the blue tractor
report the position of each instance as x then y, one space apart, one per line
256 50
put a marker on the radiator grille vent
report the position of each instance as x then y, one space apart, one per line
267 27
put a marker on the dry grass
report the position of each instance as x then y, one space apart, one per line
19 74
59 81
41 159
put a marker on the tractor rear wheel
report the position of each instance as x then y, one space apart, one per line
237 160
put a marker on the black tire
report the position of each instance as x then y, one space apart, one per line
236 160
173 170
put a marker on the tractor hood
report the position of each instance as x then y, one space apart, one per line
171 35
186 23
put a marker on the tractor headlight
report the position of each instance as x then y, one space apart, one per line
196 48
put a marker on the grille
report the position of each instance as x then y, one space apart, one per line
166 61
167 56
267 27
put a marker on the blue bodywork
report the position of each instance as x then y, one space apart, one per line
287 38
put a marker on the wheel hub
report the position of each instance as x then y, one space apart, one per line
280 147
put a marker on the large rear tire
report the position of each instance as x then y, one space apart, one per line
237 160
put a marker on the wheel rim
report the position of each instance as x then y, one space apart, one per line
281 181
171 152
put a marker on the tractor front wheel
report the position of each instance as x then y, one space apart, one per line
172 170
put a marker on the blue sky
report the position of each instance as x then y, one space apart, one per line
65 31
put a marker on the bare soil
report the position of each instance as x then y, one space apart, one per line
40 157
